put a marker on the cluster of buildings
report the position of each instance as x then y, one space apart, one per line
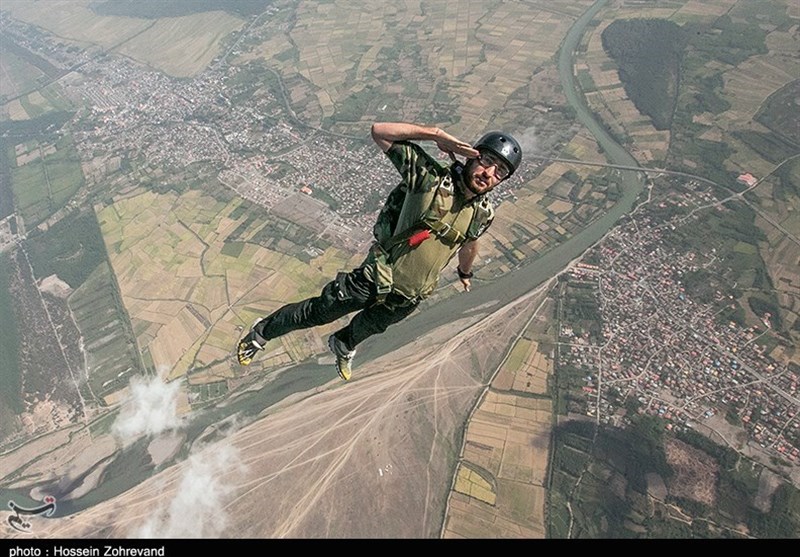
7 234
166 124
678 356
61 56
222 118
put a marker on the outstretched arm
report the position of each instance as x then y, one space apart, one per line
466 257
386 133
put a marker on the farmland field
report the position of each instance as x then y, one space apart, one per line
111 354
191 298
44 185
74 19
17 75
222 198
182 46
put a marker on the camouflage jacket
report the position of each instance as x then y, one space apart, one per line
429 196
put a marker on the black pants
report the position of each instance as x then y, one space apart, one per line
347 293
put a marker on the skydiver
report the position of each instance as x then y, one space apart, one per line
434 213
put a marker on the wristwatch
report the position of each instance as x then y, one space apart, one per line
462 275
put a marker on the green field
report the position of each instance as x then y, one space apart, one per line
10 398
518 354
18 75
779 113
45 100
43 186
154 9
72 248
54 96
110 350
604 477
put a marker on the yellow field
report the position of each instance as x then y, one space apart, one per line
471 483
187 301
582 147
499 489
559 207
524 212
179 46
182 46
16 111
73 20
526 370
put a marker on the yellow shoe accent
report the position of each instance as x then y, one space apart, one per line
344 358
343 368
247 349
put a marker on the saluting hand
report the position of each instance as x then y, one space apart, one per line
452 145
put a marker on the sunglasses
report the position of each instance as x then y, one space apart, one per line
488 159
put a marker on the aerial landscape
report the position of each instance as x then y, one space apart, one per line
626 364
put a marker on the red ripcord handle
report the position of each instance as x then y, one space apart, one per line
418 237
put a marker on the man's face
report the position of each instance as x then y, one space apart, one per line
485 172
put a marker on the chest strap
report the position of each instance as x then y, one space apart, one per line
430 220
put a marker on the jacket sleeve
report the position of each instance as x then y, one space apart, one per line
418 170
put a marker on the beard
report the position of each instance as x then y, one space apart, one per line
469 179
470 184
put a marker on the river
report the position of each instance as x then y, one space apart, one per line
132 464
534 272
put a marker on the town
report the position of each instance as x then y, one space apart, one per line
679 358
654 343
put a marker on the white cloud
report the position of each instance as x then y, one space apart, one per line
528 141
198 507
150 410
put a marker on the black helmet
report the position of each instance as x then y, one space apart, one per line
504 146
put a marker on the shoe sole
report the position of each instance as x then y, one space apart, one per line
338 367
241 358
339 371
